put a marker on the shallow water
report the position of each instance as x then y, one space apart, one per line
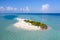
8 32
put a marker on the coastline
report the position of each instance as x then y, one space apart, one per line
26 26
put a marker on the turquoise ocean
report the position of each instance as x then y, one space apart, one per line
8 32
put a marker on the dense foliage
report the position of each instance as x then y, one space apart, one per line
39 24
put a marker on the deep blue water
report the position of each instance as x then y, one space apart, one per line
8 32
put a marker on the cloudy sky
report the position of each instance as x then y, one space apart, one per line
30 6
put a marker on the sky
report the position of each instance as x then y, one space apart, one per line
29 6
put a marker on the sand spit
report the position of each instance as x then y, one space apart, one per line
26 26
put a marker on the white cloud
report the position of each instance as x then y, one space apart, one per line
15 9
26 9
2 8
20 9
10 8
45 7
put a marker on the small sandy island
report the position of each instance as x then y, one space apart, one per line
25 25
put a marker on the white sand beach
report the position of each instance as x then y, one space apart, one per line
26 26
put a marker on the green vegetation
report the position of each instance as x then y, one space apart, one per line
41 25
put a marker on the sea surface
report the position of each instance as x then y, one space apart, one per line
9 32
